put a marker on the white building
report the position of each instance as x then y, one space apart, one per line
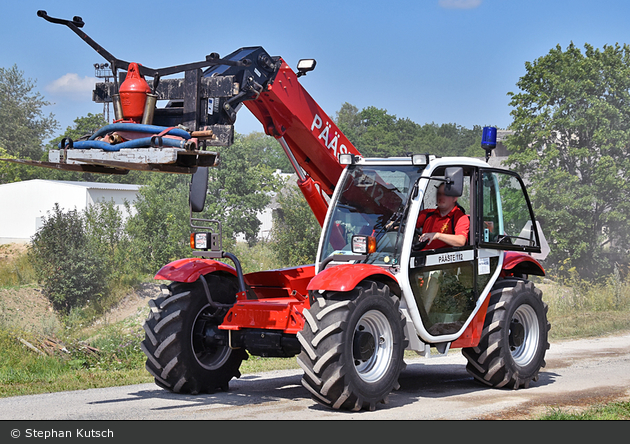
24 204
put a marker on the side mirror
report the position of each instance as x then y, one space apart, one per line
454 183
198 189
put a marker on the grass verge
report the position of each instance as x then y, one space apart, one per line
604 412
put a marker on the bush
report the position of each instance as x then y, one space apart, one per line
108 238
69 270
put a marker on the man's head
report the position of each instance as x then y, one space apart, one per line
444 203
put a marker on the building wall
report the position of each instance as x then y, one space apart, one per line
23 205
117 196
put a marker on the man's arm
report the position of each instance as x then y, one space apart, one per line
459 239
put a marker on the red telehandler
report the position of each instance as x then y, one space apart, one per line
374 290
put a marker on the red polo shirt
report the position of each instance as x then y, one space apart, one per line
431 222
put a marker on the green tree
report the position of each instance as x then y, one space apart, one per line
69 271
375 133
241 187
159 229
269 151
349 121
13 172
572 126
108 239
23 126
295 231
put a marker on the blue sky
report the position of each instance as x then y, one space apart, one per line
442 61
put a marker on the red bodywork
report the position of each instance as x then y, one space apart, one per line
472 334
281 294
287 111
188 270
345 277
515 262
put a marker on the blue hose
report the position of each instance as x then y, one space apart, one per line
141 128
145 142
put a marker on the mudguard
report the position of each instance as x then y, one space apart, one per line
188 270
515 262
345 277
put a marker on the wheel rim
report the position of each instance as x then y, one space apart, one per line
524 335
209 356
372 368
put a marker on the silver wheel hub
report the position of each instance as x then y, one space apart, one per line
524 335
372 345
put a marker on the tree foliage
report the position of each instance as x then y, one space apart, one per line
571 141
159 229
69 271
375 133
23 126
295 231
242 186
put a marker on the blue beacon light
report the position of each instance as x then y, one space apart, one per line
489 140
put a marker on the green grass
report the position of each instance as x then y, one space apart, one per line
15 269
583 310
604 412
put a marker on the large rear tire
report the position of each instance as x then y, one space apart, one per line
186 353
352 347
514 340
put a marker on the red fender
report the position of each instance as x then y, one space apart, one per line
517 262
188 270
346 277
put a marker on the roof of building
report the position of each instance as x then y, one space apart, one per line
89 185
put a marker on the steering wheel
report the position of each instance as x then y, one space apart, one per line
418 245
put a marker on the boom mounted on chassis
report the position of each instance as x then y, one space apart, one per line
374 290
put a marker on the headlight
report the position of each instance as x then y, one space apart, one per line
346 159
363 244
199 241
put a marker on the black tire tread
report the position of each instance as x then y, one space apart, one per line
166 338
490 361
322 347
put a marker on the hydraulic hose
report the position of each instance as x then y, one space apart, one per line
145 142
141 128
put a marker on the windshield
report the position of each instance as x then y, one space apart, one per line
372 202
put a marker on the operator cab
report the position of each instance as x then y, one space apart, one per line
372 220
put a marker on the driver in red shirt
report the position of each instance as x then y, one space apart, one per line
447 225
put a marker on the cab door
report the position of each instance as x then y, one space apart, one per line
506 220
443 281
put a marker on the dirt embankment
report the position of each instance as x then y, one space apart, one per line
26 308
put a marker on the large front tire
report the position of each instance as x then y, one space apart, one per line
186 353
352 347
514 339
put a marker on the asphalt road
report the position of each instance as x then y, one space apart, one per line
577 372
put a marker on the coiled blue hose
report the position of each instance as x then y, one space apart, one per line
144 142
141 128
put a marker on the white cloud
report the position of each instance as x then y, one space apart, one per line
459 4
72 86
